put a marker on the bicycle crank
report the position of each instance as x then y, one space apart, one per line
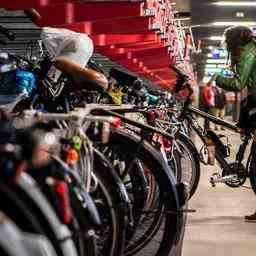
217 178
235 169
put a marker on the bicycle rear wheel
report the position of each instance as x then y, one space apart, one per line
252 167
162 217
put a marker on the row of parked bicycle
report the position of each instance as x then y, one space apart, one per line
79 176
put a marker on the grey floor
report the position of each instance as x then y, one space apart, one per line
218 227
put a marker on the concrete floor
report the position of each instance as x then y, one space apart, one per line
218 226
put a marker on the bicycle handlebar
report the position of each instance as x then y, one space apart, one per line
72 116
182 81
80 115
179 72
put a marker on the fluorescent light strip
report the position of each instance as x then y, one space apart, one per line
215 66
212 61
211 65
233 23
235 3
217 38
185 18
212 70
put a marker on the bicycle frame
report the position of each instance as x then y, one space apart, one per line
213 119
192 122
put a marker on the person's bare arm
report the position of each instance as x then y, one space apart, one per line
81 75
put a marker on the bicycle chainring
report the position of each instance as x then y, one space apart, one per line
240 171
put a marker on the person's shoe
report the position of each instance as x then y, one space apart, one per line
251 217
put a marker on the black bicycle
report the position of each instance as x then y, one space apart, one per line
233 174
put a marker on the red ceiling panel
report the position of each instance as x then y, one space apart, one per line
117 29
78 12
113 26
110 39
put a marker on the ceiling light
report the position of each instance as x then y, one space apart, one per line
223 61
215 65
211 65
235 3
217 38
214 70
233 23
183 18
240 14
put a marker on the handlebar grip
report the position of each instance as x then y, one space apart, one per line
7 33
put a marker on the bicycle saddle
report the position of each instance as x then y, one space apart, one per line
83 77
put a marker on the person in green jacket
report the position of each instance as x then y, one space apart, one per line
241 47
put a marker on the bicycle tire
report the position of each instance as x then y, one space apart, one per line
13 203
186 144
135 183
175 164
252 167
39 205
117 200
167 191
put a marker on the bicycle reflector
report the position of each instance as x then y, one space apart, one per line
62 192
211 151
115 122
71 156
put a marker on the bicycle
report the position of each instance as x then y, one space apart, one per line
233 174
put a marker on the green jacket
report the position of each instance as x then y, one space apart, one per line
246 74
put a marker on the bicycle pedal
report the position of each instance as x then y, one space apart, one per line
223 179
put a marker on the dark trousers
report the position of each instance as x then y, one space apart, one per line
208 110
245 120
